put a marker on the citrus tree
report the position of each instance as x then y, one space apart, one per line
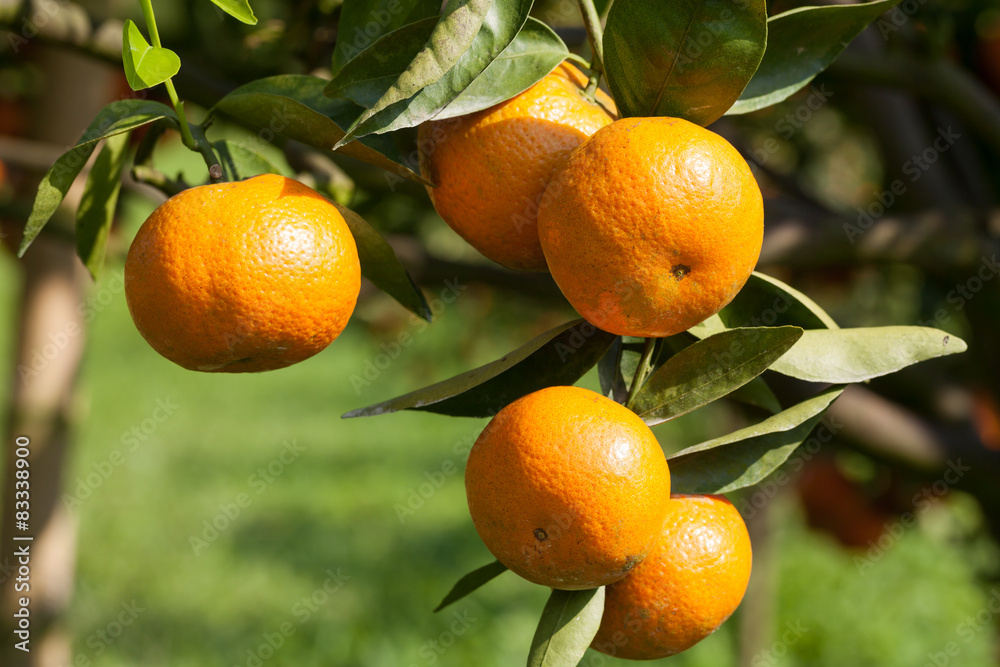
650 224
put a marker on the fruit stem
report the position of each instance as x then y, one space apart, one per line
642 371
595 34
199 144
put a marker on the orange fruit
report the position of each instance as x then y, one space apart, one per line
651 226
241 277
567 488
491 167
692 581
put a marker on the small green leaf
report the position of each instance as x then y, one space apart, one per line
745 457
381 265
293 106
801 43
568 624
240 162
855 355
238 9
471 582
100 199
454 33
689 59
503 21
116 118
362 22
145 65
766 301
535 52
709 370
560 356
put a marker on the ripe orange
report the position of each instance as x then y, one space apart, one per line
692 581
491 167
651 226
241 277
567 488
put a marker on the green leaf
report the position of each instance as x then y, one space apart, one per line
366 77
116 118
471 582
240 162
766 301
238 9
362 22
709 370
100 199
503 21
560 356
381 265
145 65
855 355
745 457
758 394
568 624
457 28
801 43
535 52
687 58
293 106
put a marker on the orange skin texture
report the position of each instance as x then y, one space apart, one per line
689 584
567 488
491 167
651 226
242 277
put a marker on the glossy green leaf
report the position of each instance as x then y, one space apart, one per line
801 43
98 204
116 118
766 301
687 58
503 21
617 367
238 9
239 162
569 622
560 356
366 77
535 52
362 22
381 265
471 582
856 355
745 457
145 65
293 106
452 37
710 369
